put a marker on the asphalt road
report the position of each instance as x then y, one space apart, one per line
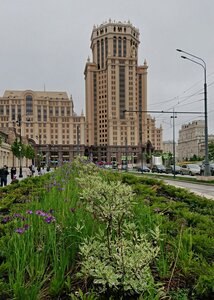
197 188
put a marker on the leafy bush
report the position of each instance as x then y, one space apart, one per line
116 259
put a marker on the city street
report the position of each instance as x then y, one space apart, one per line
197 188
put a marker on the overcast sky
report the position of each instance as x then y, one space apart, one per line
47 42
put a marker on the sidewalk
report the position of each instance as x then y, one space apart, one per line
24 173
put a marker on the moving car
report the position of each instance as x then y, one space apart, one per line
190 169
158 169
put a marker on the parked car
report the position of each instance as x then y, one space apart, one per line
144 169
211 169
158 169
170 170
190 169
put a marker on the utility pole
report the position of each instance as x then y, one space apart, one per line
202 63
173 117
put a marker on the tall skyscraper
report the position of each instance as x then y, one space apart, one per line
115 87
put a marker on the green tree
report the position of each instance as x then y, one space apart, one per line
194 158
157 153
211 150
29 152
167 158
18 148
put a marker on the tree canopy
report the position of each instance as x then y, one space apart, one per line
18 148
29 152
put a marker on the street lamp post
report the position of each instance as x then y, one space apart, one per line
20 162
19 122
39 152
203 65
126 149
78 140
48 157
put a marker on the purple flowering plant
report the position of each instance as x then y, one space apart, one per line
6 219
47 217
21 230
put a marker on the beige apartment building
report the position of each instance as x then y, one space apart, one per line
117 125
191 140
154 134
46 120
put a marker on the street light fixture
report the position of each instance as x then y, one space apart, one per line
203 65
39 150
19 122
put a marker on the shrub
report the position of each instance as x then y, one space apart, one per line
117 259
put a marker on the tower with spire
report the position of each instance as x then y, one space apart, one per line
116 85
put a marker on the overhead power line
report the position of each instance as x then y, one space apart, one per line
164 112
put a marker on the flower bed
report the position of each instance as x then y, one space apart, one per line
87 233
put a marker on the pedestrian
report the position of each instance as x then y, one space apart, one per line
39 170
42 171
32 169
4 173
12 172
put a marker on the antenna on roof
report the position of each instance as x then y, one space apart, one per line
44 88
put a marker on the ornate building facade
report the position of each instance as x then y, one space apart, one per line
191 140
116 127
117 124
45 119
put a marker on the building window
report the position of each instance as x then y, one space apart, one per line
39 113
119 47
102 53
114 46
29 105
122 91
1 110
62 111
106 47
51 111
44 114
98 55
124 47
